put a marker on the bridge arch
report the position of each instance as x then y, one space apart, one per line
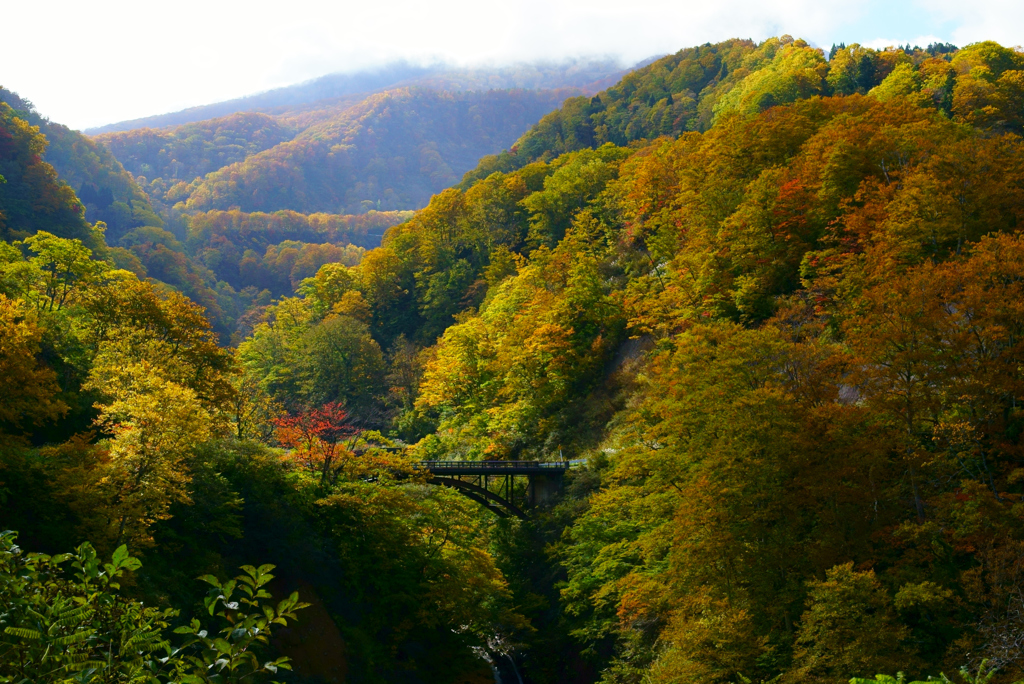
497 504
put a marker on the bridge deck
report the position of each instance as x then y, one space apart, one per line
494 467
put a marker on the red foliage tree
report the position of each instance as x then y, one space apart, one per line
315 439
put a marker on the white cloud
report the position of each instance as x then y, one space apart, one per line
882 43
998 20
88 63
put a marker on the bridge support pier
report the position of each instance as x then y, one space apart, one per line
544 489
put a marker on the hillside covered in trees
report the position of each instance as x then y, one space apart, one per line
768 300
390 152
406 132
108 193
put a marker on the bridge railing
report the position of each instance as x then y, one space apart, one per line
492 465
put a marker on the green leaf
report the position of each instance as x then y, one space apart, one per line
210 579
76 638
22 633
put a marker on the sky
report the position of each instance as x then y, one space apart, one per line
91 63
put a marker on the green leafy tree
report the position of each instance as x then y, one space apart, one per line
249 621
65 266
61 628
849 626
66 619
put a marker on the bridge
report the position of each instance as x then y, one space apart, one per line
493 483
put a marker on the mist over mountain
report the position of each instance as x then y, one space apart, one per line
589 75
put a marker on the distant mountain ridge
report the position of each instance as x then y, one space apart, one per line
589 75
391 152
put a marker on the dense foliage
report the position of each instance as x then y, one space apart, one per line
62 626
782 344
692 89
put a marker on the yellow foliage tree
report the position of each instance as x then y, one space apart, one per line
27 387
154 425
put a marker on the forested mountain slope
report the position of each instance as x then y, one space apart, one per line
194 150
107 191
390 152
393 165
358 156
37 197
387 153
33 198
784 346
689 90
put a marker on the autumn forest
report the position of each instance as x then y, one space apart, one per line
766 300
